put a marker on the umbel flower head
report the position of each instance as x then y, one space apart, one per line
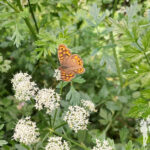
56 143
47 98
102 145
23 87
57 74
77 118
26 131
89 105
145 128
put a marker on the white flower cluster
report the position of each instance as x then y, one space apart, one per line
145 128
26 131
57 74
102 145
77 118
23 87
4 64
47 98
55 143
88 105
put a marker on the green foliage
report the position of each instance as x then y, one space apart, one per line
113 41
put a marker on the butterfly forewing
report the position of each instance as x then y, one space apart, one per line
78 64
63 53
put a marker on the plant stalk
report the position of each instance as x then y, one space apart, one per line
64 123
27 21
146 57
61 87
33 16
54 117
116 61
114 49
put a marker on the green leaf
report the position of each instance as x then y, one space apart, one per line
17 37
123 134
109 62
81 135
105 115
20 147
60 84
1 126
132 11
94 11
141 108
113 106
79 80
73 96
146 93
129 146
25 13
3 142
96 134
104 92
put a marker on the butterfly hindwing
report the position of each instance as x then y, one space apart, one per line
63 53
80 70
66 76
79 63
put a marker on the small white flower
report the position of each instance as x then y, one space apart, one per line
57 74
26 131
135 72
77 118
89 105
137 67
102 145
144 130
56 143
47 98
23 87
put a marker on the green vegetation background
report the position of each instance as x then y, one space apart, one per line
112 38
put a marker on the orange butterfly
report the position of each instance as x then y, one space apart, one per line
70 64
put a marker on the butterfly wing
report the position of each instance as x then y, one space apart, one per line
70 64
66 75
63 53
77 64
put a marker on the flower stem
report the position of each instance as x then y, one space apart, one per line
61 87
116 61
50 121
64 123
27 20
146 57
10 5
70 140
114 50
33 16
54 117
110 123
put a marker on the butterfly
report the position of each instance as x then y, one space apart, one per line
71 64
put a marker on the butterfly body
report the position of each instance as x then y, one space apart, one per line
70 64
